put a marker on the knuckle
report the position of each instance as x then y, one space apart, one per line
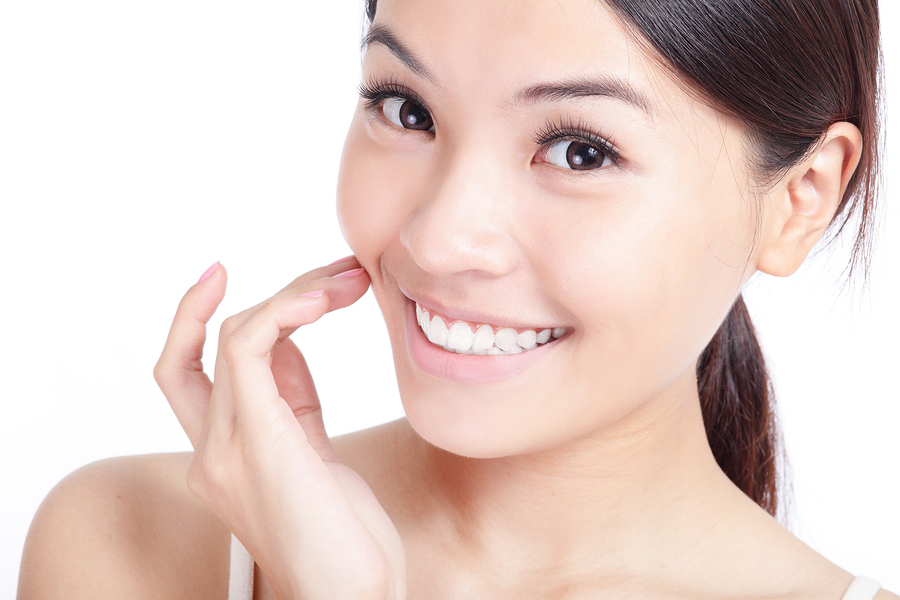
159 373
270 308
232 346
274 311
207 475
216 473
162 374
228 326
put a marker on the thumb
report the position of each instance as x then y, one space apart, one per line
296 387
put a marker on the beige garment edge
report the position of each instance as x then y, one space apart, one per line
862 588
240 572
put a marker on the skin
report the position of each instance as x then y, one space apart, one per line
588 474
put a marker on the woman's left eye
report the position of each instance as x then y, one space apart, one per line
405 113
577 155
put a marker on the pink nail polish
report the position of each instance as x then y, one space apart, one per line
348 274
315 294
341 260
209 272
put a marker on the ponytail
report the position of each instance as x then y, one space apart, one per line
737 402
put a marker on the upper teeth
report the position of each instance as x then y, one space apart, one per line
468 338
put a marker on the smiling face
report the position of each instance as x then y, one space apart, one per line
524 165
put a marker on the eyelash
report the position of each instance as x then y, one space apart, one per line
566 129
379 90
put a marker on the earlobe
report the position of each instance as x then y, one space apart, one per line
805 202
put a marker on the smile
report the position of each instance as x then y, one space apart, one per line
480 339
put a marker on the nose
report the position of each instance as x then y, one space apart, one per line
463 221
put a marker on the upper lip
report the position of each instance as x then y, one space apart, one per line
465 314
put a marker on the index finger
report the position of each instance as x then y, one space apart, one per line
179 371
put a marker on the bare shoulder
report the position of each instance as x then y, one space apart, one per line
792 568
125 528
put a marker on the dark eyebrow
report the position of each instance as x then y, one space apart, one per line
379 34
581 87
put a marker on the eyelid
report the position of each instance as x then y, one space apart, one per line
577 130
375 91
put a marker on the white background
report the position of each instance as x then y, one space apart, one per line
140 142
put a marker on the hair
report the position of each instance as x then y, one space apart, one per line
788 70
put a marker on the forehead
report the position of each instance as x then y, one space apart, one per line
481 55
504 45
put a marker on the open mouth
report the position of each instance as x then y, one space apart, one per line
481 339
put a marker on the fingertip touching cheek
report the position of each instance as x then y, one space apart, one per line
529 174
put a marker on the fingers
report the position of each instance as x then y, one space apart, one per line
246 345
344 284
248 342
262 459
296 387
345 266
247 352
179 371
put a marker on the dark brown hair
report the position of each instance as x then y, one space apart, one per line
788 69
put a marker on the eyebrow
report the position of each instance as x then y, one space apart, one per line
568 89
583 87
379 34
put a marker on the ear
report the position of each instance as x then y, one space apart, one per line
805 201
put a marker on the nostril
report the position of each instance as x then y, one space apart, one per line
443 246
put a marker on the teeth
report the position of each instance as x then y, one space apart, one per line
527 339
484 339
437 332
506 339
460 338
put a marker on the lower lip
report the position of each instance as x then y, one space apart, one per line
466 368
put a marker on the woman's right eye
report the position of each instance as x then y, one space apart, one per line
405 113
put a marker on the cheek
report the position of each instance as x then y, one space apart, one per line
376 193
650 273
359 210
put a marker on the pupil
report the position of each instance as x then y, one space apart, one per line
414 116
583 156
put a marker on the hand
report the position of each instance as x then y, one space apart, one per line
262 460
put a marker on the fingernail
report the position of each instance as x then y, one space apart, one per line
348 274
315 294
209 272
340 260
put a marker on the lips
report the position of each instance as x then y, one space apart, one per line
474 366
482 339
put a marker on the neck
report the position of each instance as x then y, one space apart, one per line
612 496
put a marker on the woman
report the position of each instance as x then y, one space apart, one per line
557 206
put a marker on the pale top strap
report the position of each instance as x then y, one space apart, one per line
862 588
240 572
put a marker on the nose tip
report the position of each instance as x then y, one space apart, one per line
447 244
462 223
463 216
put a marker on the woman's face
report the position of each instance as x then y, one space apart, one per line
524 165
